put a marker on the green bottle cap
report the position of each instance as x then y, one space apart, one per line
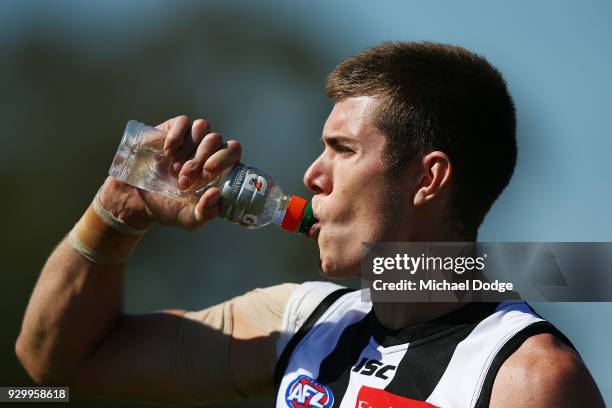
308 220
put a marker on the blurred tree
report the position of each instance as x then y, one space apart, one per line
65 102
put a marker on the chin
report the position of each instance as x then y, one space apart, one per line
338 270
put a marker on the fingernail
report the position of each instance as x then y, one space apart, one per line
205 175
213 201
167 151
183 182
177 167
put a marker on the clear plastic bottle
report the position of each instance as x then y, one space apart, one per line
249 196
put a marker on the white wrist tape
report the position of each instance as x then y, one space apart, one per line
89 253
102 238
114 222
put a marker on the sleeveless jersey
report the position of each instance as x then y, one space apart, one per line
334 353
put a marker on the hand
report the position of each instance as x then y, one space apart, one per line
198 156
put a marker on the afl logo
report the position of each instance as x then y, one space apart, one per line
305 392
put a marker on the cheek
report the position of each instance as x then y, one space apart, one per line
342 241
353 214
342 205
354 195
341 249
357 206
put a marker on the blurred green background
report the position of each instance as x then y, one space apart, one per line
73 73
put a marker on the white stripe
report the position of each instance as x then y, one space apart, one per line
322 339
386 355
462 382
302 302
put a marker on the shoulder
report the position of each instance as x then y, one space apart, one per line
302 302
544 372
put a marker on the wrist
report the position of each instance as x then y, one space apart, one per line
99 242
101 236
124 203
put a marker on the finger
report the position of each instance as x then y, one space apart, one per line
166 125
192 140
199 128
208 207
176 135
176 168
224 158
192 169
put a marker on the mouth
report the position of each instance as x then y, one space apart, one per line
314 230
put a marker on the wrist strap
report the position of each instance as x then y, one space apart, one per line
90 254
114 222
102 238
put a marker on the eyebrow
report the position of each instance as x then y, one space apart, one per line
336 139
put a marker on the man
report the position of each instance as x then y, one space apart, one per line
418 146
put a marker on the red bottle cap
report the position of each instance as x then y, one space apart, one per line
294 213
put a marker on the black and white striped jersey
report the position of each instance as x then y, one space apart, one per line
334 353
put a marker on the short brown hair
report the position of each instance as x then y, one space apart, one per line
439 97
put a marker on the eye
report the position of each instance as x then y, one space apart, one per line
343 150
338 146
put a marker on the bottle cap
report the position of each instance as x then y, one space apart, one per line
308 220
294 214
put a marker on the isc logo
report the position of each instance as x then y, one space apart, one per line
369 367
305 392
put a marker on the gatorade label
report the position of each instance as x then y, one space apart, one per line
243 195
255 183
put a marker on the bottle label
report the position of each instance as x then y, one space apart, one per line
243 195
255 183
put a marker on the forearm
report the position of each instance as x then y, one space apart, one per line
74 305
78 297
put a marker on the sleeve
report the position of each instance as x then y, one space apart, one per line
302 302
203 366
202 363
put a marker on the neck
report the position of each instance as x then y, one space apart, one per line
397 315
441 234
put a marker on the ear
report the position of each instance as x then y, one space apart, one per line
437 170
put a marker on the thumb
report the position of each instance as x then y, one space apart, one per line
208 207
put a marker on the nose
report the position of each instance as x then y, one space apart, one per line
318 177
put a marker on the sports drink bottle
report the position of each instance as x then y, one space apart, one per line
249 197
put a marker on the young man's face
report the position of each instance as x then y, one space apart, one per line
352 195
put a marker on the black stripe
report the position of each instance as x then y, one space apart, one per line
335 369
556 332
283 360
467 315
510 347
427 358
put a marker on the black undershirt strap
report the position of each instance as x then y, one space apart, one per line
510 347
283 360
